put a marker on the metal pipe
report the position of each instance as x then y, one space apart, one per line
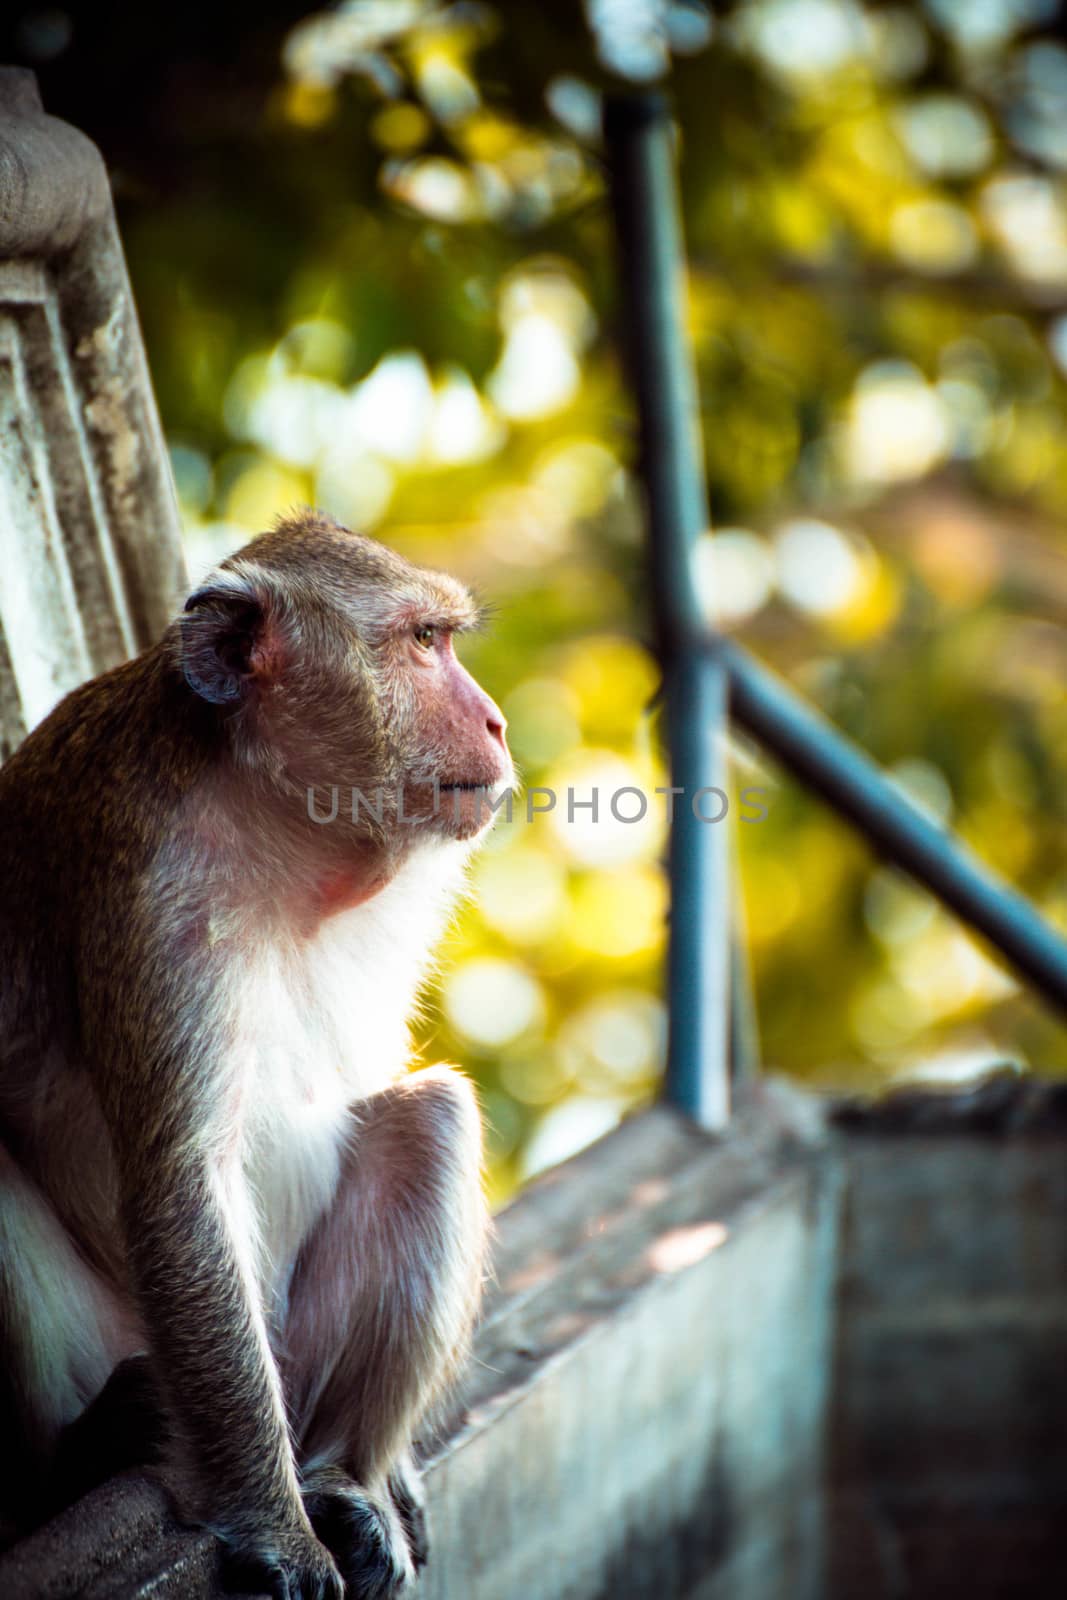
638 136
813 750
700 942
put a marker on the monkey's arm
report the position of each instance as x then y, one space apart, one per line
188 1232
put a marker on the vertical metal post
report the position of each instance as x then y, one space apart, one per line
639 142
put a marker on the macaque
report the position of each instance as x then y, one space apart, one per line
235 1227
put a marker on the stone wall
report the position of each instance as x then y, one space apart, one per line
950 1413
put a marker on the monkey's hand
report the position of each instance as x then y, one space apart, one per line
364 1533
296 1568
406 1493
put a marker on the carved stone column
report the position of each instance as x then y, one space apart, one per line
90 552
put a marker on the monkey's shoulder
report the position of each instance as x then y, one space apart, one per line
136 714
95 783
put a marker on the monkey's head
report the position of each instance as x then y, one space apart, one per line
330 660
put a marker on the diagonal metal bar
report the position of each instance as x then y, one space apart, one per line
811 748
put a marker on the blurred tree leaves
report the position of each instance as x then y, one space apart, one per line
373 261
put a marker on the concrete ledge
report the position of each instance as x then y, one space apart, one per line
949 1461
645 1411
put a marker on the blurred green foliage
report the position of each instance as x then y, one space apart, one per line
373 260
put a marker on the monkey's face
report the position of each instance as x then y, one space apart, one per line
446 731
333 659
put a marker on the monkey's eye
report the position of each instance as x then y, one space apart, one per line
425 636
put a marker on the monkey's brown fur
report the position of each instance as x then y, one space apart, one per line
211 1153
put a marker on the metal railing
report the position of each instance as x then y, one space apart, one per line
708 677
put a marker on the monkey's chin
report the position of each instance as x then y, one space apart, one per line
466 810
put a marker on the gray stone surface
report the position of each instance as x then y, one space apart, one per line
52 179
950 1414
90 554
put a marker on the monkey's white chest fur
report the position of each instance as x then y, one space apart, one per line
319 1024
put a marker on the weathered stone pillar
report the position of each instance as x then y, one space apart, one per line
90 553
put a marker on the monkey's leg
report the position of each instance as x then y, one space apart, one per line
62 1331
123 1427
382 1303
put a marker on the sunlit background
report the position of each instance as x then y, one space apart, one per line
372 254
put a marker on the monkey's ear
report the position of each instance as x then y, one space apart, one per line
220 632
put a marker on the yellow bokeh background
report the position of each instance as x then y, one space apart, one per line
388 287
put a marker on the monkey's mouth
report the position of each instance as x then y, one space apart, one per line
464 807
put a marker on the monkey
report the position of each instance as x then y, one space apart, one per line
223 1187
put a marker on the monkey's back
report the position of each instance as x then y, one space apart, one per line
81 801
